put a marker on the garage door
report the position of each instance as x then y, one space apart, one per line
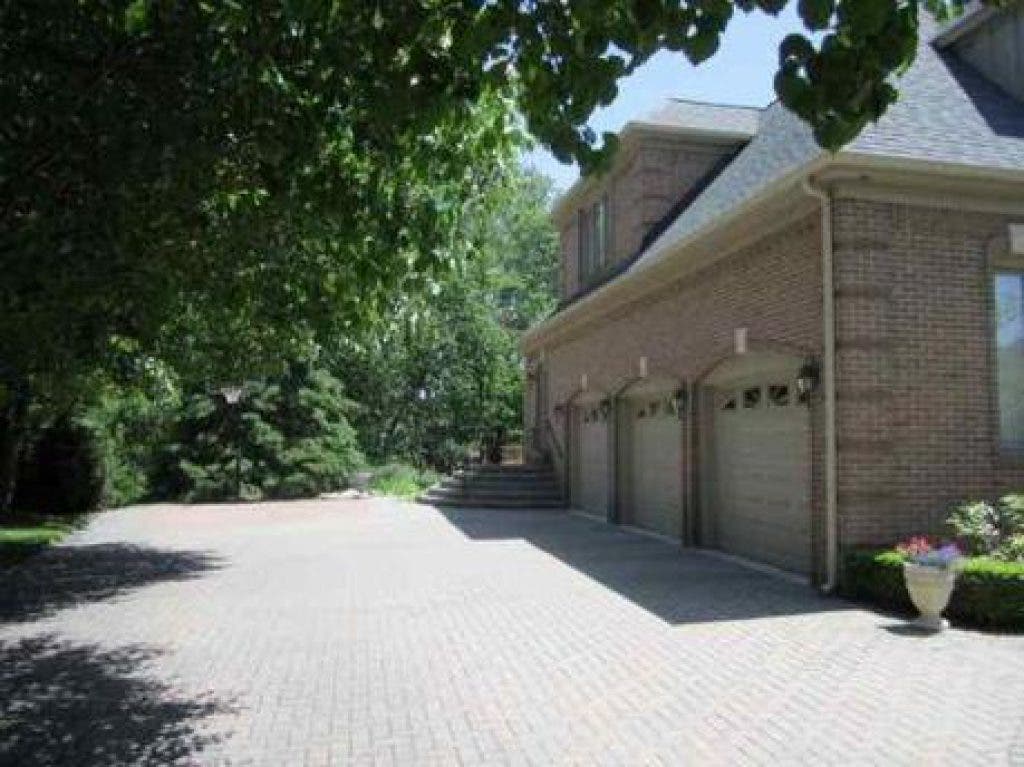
762 461
653 467
590 458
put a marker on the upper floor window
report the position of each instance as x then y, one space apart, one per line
595 238
1009 303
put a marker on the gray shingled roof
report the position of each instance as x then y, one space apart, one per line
946 113
949 113
782 144
699 115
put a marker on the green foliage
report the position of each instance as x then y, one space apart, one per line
443 374
1011 549
876 577
288 437
989 593
28 538
131 420
61 471
401 480
224 193
31 535
228 184
991 528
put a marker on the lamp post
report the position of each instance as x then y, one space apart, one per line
232 397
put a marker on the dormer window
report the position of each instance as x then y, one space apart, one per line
595 238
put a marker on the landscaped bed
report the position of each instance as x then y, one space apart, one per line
989 590
400 480
989 593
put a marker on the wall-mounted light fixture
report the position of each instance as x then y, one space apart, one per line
807 379
606 409
679 401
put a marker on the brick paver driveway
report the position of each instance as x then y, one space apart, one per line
340 632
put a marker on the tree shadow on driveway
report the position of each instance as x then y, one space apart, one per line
66 576
678 585
75 704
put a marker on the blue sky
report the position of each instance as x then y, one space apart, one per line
740 72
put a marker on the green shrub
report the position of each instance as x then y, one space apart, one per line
131 425
400 480
875 577
61 472
989 593
989 528
288 437
1011 550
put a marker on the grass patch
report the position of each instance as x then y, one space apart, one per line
400 480
23 537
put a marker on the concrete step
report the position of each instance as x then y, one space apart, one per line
513 487
471 501
498 487
512 476
513 470
495 493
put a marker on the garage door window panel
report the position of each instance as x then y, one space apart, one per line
778 395
751 397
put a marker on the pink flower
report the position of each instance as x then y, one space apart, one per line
914 547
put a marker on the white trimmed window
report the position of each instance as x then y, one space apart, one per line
594 238
583 228
1009 304
601 223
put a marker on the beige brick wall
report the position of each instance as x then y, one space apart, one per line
640 192
917 422
772 288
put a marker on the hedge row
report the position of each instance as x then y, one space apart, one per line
988 594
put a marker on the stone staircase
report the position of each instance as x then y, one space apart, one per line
528 486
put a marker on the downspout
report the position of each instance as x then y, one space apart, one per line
829 385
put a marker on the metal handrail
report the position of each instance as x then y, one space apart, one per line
553 439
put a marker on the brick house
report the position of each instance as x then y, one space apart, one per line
778 352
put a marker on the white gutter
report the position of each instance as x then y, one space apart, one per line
829 384
971 19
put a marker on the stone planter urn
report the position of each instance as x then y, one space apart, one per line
930 588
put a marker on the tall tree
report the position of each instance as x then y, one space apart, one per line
227 184
442 371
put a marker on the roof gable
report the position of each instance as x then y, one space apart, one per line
948 118
947 113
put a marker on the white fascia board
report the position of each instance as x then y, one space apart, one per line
1017 239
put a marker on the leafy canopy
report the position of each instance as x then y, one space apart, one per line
225 184
441 372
